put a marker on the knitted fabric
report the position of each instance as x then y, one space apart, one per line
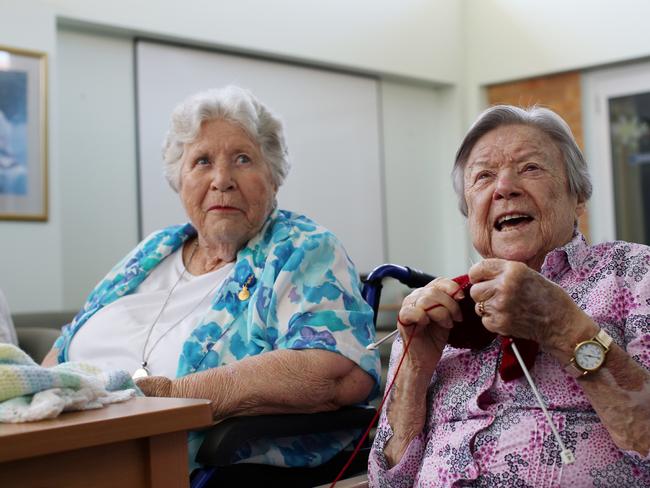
30 392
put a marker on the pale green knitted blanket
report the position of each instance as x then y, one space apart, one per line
31 392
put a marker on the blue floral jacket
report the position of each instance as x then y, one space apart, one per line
304 294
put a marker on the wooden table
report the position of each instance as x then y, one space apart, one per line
141 442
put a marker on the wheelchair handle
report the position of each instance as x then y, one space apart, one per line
372 286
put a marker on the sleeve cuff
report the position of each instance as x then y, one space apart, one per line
638 458
401 474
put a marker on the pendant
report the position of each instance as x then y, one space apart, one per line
243 294
140 373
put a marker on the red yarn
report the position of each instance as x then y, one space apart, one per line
471 334
468 334
374 419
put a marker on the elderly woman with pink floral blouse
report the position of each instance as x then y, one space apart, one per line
451 419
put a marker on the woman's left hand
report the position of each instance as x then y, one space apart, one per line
516 301
155 386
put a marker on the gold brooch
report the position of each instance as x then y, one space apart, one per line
244 294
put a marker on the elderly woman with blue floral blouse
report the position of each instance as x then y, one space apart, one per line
254 308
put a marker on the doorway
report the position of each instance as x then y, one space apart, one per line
616 105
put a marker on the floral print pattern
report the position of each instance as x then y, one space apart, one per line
481 431
304 294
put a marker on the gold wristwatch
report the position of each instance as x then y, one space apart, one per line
589 356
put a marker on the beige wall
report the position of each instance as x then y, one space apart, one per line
30 252
417 39
513 39
450 48
50 266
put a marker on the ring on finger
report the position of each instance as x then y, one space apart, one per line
480 308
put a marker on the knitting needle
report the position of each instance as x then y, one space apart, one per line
565 454
375 345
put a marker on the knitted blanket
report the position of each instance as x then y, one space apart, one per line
31 392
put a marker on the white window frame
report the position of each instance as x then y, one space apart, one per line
598 86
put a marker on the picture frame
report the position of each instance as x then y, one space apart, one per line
23 135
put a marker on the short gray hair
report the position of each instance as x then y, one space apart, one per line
541 118
233 104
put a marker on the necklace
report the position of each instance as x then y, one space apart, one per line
143 370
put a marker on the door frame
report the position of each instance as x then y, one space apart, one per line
597 87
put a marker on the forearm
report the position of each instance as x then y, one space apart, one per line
620 394
285 381
407 411
51 358
619 391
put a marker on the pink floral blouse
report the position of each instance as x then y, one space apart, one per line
481 431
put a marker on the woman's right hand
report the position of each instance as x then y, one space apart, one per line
429 314
432 310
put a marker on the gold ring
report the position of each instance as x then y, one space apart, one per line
481 308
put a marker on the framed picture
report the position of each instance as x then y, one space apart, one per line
23 135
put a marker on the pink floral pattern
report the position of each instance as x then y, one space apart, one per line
483 432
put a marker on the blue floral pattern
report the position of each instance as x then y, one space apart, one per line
304 294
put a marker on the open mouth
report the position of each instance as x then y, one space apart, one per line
512 221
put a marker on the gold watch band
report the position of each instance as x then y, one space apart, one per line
604 339
575 371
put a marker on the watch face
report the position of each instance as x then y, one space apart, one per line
590 355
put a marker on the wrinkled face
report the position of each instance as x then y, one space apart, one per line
226 186
517 193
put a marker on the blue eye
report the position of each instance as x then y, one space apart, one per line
243 159
482 175
203 160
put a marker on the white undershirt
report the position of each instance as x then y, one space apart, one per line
114 337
